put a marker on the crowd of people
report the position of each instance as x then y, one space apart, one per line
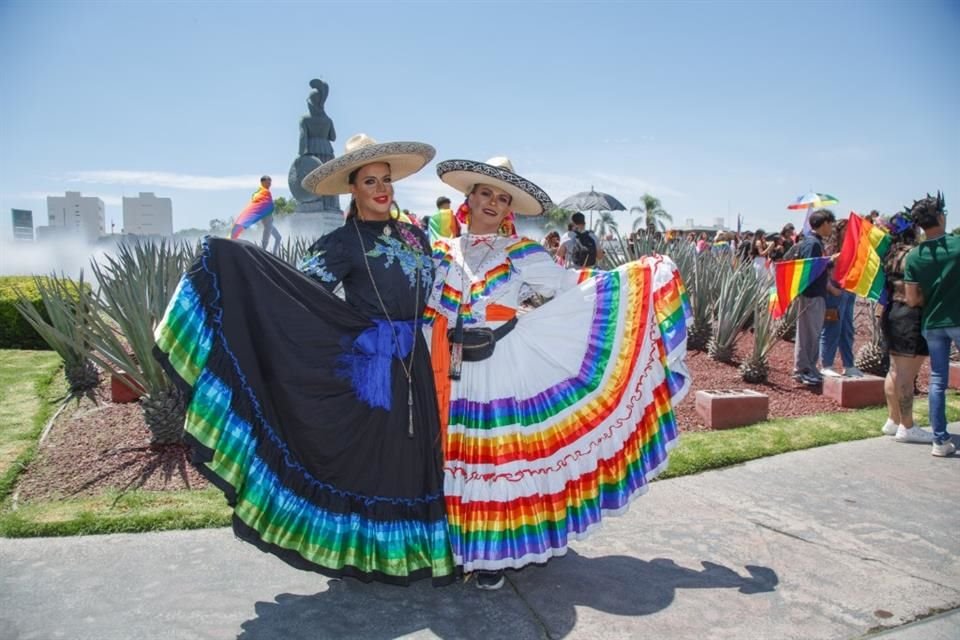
919 311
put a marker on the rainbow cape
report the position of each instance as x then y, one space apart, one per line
443 224
793 276
261 205
860 263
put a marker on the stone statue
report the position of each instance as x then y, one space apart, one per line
316 129
316 135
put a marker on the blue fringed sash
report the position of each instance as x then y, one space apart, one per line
367 364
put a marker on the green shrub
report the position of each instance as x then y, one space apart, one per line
15 331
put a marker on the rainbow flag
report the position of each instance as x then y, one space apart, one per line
860 263
443 224
793 276
261 205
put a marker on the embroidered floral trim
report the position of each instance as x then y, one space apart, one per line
410 261
316 267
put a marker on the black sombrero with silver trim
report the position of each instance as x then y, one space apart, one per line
405 159
462 175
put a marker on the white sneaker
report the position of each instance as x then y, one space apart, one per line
943 450
913 434
853 372
889 428
828 372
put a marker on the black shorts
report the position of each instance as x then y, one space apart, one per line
901 329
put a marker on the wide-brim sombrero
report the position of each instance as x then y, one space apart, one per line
463 175
405 159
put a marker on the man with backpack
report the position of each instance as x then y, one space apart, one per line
580 248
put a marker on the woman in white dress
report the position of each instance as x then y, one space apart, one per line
556 416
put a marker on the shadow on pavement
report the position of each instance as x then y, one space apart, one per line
534 597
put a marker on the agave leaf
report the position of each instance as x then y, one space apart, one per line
135 287
294 249
69 306
735 305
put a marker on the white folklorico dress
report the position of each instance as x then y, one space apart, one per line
572 415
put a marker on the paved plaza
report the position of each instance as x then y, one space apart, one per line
833 543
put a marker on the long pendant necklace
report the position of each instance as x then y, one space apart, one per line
407 368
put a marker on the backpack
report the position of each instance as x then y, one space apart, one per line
584 252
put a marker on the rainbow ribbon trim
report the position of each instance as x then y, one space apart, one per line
251 462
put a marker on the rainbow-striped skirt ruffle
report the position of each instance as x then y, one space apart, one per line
314 476
569 419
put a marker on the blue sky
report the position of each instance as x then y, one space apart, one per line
715 108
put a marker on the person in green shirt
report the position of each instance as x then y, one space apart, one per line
932 281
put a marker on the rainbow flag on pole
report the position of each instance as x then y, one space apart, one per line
261 205
792 277
860 263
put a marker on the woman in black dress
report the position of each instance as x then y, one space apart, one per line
318 417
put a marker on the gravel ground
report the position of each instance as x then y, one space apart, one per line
100 445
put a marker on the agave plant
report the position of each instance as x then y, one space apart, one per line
755 369
734 309
874 357
704 288
134 289
787 325
69 306
294 249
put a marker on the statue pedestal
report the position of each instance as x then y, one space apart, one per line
313 224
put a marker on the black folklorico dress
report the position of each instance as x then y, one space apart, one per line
299 406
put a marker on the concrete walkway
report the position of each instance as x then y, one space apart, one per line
835 542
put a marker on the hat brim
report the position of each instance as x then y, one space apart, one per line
332 177
463 175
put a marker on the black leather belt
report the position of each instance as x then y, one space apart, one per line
500 332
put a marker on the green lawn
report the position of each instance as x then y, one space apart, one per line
27 400
31 381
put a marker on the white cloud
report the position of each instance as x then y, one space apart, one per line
419 193
626 189
640 186
31 195
42 195
169 180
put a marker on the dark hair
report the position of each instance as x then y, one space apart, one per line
578 218
262 178
926 212
758 235
443 200
352 209
821 216
352 178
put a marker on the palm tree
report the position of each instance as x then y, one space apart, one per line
651 215
605 224
556 218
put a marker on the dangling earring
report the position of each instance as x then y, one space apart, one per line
394 210
463 213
